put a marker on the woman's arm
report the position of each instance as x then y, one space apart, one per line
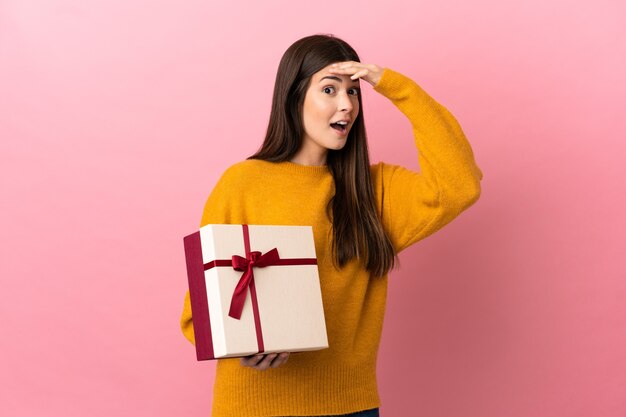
216 210
414 205
186 321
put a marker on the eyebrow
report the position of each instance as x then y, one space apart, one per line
332 77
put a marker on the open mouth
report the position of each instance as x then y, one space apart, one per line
340 128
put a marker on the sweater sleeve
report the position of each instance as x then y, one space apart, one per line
186 322
415 205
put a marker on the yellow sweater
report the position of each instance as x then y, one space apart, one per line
342 378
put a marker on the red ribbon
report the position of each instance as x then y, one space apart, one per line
253 259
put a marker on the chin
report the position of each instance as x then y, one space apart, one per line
337 147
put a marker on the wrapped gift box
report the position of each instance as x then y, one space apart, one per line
254 289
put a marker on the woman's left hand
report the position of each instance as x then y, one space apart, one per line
369 72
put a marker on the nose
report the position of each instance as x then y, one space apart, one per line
345 102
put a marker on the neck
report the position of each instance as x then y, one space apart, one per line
310 158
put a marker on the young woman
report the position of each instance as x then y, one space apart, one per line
313 169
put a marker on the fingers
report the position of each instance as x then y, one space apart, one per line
251 360
368 72
265 362
359 74
262 362
353 66
280 360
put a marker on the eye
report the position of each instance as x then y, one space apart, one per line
327 88
355 91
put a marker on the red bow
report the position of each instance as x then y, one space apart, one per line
255 259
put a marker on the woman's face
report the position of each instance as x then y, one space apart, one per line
331 98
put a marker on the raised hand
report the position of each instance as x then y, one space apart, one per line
368 72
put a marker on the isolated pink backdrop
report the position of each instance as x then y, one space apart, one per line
118 117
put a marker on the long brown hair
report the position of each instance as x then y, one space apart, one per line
357 229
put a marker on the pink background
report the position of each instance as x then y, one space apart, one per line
117 118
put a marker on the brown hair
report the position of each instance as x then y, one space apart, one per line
357 229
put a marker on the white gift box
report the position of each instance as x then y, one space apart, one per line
280 304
